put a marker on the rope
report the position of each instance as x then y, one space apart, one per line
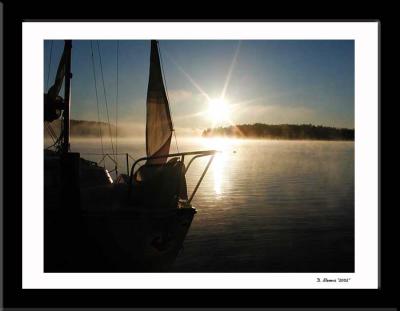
48 68
56 142
176 141
97 99
51 132
105 99
166 93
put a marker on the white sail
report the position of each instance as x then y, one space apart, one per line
158 121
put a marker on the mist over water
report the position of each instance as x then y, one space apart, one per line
264 206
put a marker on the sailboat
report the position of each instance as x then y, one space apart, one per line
135 223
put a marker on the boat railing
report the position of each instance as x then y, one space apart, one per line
112 158
182 155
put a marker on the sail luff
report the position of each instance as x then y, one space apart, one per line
158 117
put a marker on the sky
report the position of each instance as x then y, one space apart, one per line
267 81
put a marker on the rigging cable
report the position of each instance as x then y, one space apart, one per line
97 99
116 116
56 142
51 132
105 99
48 68
166 93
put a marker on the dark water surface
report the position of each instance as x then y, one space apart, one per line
265 206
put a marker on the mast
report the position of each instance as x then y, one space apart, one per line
67 90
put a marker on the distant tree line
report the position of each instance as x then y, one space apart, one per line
282 131
83 128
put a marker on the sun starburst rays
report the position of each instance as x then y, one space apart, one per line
219 110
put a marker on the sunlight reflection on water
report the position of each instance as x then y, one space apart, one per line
225 146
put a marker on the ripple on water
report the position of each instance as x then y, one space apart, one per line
273 206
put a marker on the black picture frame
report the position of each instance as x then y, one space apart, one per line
15 296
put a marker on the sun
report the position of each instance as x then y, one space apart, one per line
218 110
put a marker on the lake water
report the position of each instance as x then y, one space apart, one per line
264 206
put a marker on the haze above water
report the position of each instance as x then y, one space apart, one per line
264 206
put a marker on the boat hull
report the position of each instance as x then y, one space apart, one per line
115 241
136 241
100 230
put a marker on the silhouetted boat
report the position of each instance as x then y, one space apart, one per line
137 222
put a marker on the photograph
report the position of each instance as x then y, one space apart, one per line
198 156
